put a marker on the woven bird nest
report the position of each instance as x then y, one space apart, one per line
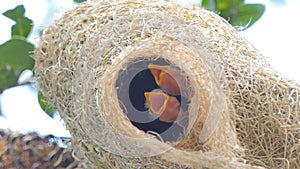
232 110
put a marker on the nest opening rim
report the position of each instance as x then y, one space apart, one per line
131 84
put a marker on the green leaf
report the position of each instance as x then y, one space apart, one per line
209 4
79 1
236 11
15 56
229 7
16 13
23 24
22 28
16 53
45 106
229 4
247 15
8 78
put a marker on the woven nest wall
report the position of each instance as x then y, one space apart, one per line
235 110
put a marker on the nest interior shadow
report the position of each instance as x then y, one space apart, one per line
132 83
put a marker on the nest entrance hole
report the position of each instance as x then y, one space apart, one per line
132 83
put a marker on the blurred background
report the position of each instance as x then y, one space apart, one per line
275 34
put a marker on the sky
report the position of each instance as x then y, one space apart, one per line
276 35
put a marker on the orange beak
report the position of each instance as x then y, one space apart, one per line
167 107
168 79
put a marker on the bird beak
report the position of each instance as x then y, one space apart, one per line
156 101
167 107
166 78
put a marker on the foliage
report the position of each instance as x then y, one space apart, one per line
237 12
79 1
15 54
45 105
